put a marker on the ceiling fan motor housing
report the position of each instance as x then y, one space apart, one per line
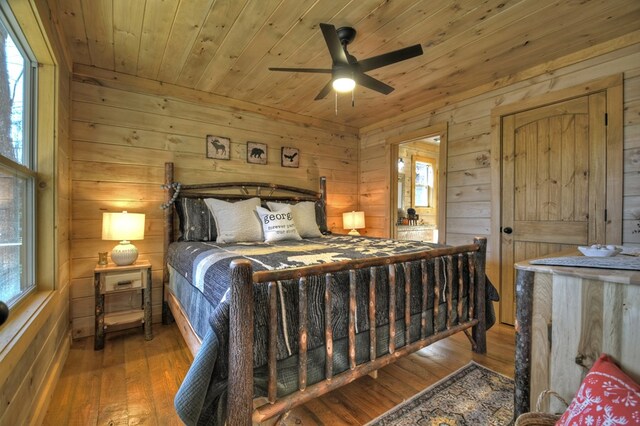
346 35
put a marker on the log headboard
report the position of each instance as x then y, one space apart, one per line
233 191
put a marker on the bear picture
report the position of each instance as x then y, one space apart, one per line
256 153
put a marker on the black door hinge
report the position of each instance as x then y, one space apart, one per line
606 119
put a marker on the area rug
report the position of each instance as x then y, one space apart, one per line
473 395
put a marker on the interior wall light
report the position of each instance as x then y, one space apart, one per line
123 227
400 165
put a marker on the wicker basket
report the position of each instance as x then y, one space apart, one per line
539 418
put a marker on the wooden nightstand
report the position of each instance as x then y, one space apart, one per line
113 279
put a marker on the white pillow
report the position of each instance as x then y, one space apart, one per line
304 216
278 226
236 221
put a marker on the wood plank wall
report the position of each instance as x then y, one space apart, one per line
27 383
469 157
125 128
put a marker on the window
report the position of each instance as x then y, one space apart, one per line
17 164
423 182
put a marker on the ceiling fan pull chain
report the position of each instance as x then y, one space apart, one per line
353 98
336 102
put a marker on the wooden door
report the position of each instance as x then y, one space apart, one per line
553 183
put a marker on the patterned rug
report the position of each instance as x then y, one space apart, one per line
473 395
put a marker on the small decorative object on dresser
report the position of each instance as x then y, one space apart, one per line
218 147
290 157
256 153
112 280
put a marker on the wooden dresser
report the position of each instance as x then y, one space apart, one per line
565 318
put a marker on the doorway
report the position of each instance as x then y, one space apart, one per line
559 165
418 184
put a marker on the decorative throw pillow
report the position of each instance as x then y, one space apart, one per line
304 216
196 222
278 226
606 396
236 221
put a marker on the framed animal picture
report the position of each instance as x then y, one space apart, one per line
256 153
218 147
290 157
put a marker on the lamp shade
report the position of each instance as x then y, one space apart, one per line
122 226
353 220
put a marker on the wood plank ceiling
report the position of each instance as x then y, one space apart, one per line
226 46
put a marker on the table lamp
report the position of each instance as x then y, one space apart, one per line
353 221
123 227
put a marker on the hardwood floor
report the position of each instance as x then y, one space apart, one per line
133 381
130 382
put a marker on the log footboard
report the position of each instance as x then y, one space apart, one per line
240 396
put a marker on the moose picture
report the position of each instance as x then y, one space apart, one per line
256 153
290 157
218 147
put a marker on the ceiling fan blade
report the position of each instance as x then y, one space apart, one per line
316 70
333 44
372 83
325 91
390 58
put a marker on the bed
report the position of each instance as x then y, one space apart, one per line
275 324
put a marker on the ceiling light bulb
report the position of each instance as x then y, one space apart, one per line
344 84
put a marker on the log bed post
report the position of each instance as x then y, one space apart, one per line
479 332
240 389
168 238
323 210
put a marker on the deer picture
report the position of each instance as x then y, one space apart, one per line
219 146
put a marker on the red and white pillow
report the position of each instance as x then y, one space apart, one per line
607 396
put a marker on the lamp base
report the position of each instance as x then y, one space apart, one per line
124 253
354 232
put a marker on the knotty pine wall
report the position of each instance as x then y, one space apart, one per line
31 366
469 155
125 128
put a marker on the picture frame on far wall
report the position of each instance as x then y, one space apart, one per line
290 157
256 153
218 147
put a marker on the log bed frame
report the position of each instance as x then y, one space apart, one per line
240 383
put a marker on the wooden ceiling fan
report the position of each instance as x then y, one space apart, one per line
346 70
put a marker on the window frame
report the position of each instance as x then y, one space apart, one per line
28 170
431 190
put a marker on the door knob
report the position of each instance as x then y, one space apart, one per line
507 230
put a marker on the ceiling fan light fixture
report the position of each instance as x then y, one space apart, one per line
344 84
346 70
